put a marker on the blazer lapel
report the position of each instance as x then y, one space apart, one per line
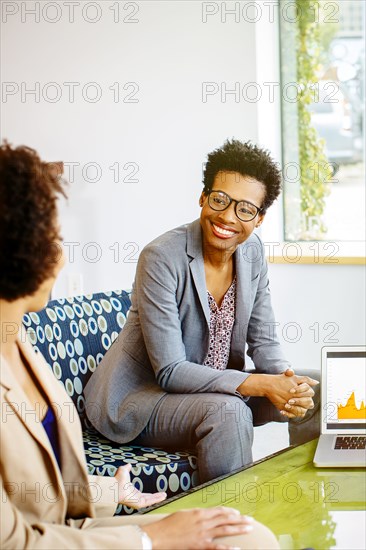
243 275
57 397
73 482
242 313
18 401
194 250
243 287
74 479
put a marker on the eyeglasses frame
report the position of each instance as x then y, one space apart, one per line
259 210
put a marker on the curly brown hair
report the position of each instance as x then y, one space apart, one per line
29 234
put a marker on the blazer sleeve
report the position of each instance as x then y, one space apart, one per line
17 532
263 344
156 289
104 492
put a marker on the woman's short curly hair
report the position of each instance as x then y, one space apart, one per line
248 160
29 233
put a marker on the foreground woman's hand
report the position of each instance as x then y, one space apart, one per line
196 529
129 495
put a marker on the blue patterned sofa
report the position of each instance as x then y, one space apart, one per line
73 334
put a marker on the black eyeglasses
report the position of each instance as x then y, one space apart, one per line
244 210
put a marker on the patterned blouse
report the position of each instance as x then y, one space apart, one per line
221 326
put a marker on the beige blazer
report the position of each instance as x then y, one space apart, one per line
41 506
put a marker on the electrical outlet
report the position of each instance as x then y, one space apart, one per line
75 284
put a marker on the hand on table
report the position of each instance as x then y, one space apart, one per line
129 495
197 528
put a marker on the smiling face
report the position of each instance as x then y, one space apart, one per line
222 230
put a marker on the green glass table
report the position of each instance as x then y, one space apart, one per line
303 505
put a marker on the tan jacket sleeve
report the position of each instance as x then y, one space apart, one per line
16 532
104 492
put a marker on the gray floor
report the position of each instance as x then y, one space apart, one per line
269 438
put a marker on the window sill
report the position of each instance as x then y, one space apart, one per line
316 253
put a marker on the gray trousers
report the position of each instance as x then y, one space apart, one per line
218 428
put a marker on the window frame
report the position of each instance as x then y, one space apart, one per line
269 125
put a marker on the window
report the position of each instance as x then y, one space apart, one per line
322 73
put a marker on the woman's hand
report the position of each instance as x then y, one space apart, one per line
196 529
289 393
301 399
129 495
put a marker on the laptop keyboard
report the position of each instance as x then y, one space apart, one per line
350 442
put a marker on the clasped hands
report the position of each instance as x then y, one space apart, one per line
290 394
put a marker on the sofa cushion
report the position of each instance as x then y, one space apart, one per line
152 469
73 334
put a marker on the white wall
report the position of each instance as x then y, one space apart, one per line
169 52
329 298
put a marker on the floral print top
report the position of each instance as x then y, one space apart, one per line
221 325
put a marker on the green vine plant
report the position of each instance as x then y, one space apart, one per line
315 170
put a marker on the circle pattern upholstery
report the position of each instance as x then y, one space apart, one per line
73 334
152 469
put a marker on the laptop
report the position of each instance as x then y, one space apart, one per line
342 441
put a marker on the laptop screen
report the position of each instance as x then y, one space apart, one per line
345 390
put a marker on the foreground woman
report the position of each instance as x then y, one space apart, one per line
47 498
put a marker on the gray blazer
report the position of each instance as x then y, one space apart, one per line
165 340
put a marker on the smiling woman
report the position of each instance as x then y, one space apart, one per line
200 295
